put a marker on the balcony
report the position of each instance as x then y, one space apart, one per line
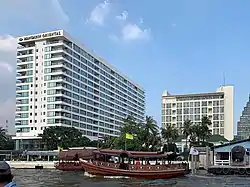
18 116
18 81
18 109
18 88
18 95
17 123
18 74
24 52
18 101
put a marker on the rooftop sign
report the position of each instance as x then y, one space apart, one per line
40 36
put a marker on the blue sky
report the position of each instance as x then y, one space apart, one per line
182 46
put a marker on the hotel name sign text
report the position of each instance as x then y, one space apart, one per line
41 36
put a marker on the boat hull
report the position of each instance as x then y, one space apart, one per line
69 167
105 171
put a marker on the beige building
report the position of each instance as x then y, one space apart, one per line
218 106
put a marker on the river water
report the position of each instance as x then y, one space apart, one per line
55 178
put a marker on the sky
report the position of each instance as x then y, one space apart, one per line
183 46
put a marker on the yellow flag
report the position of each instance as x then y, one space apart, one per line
59 148
129 136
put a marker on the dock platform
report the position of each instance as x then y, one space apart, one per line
32 164
229 170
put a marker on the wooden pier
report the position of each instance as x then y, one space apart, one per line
229 170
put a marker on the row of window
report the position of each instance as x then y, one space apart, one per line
193 104
79 64
193 111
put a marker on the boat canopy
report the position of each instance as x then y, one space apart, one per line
130 154
70 155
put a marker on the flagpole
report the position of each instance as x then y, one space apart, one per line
125 144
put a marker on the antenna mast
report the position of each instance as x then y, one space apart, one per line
224 79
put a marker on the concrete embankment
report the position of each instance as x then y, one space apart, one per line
32 164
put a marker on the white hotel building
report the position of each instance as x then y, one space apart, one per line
217 106
61 83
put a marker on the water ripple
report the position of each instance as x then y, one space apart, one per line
55 178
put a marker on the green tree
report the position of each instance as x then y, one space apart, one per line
145 135
6 142
187 128
150 134
204 128
169 133
64 137
200 132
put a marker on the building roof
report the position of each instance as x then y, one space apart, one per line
212 138
195 94
231 143
217 138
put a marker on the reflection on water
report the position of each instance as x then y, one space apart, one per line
54 178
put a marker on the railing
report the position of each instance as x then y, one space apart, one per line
222 162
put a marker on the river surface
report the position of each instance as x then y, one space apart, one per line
55 178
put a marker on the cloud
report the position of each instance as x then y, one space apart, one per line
123 16
6 66
141 21
40 13
99 13
31 15
8 46
8 43
132 32
7 112
173 25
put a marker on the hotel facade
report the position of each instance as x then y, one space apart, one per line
61 83
217 106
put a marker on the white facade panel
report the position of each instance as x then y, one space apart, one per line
217 106
60 82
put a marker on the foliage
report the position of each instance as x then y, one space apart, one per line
65 137
6 143
187 130
146 136
169 133
199 133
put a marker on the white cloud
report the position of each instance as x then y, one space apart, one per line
43 14
5 66
131 32
173 25
7 43
7 79
100 13
38 15
7 112
141 21
123 16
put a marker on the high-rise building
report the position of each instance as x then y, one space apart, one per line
243 126
61 83
217 106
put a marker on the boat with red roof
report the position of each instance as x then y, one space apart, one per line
69 159
148 165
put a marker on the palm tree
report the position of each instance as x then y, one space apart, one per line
170 133
187 130
129 125
150 131
204 128
3 137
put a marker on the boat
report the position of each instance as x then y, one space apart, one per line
109 162
69 159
